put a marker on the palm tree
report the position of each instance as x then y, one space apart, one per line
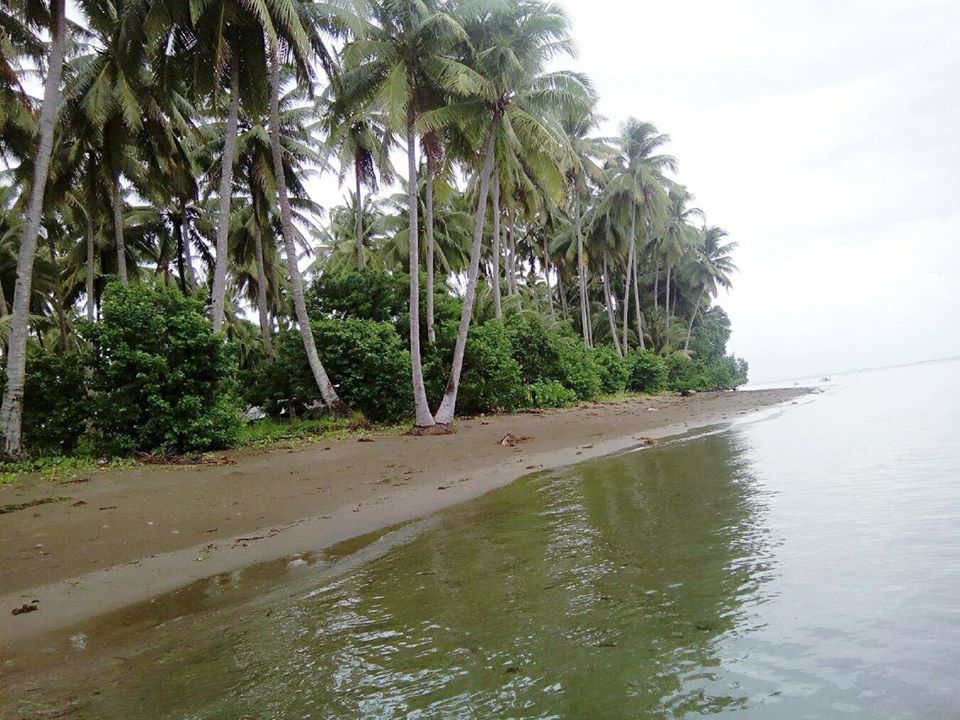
636 175
361 140
679 234
11 411
327 391
400 59
585 152
228 51
511 46
710 268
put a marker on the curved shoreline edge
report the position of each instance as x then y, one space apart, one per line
142 524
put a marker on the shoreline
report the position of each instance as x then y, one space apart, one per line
125 536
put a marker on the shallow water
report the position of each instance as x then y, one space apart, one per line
801 565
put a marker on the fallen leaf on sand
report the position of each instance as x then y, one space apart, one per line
25 608
509 440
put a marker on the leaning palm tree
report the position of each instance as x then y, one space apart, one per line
510 48
327 391
11 411
226 53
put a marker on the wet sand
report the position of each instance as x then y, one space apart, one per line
110 539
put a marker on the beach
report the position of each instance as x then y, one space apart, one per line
101 541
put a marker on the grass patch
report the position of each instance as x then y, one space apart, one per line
59 467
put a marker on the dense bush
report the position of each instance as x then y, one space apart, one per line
369 294
614 369
57 408
366 360
160 376
578 369
647 372
534 348
551 394
491 379
681 372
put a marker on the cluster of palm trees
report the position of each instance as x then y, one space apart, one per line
174 142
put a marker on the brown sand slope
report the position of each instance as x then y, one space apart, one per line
118 537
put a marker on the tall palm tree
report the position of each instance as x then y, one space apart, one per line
710 268
510 48
361 140
228 55
400 59
327 391
583 169
637 175
11 411
679 234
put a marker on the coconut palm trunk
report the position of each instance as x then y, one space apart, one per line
181 263
512 250
582 271
626 299
58 295
11 411
262 308
188 253
656 287
428 220
636 284
693 316
448 405
117 203
226 192
327 391
608 302
546 274
562 293
359 220
91 268
495 254
666 304
423 418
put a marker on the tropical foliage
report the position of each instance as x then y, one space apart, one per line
511 256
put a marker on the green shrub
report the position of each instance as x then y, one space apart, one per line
647 372
161 378
614 369
369 294
534 348
490 380
579 370
551 394
681 372
56 407
366 361
491 377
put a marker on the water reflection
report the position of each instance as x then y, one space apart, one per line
599 591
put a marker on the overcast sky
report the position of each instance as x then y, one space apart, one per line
824 136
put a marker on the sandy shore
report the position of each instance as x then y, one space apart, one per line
111 539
